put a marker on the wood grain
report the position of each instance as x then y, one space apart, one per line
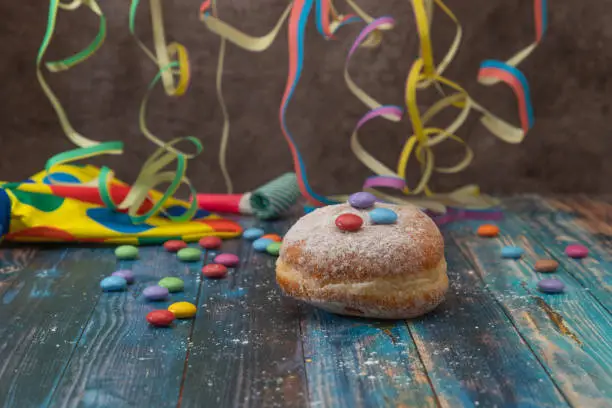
571 333
120 359
42 318
354 362
472 351
13 261
246 348
556 229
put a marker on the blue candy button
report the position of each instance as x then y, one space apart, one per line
261 244
512 252
383 216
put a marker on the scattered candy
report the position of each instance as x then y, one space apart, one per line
126 252
189 254
214 271
183 310
113 284
488 230
160 318
512 252
125 274
172 284
274 248
228 260
273 237
253 233
210 242
546 265
174 245
349 222
383 216
576 251
261 244
551 286
362 200
155 293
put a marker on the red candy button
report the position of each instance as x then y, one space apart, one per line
210 242
214 271
349 222
160 318
273 237
577 251
174 245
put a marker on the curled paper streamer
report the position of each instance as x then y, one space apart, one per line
276 197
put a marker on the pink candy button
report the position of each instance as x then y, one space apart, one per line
228 260
576 251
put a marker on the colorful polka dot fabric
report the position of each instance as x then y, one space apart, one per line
65 206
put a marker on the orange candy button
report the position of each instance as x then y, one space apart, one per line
273 237
488 230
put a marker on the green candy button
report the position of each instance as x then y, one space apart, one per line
274 248
189 254
172 284
126 252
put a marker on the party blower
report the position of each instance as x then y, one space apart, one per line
71 210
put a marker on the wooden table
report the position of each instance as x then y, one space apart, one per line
495 342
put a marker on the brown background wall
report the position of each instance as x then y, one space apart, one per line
569 73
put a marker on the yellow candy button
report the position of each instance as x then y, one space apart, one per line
183 310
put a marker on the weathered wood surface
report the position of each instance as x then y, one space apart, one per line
570 333
496 341
246 348
42 319
120 360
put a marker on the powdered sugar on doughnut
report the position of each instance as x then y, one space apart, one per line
316 245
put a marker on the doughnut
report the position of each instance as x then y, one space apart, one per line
388 270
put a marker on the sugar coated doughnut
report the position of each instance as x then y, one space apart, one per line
390 271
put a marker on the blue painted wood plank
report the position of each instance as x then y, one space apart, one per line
472 352
355 362
42 317
570 333
13 261
554 230
246 348
120 360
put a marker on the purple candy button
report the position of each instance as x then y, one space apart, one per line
551 286
576 251
228 260
155 293
125 274
362 200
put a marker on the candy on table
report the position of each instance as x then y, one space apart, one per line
228 260
113 284
383 216
261 244
274 248
126 252
362 200
174 245
488 230
155 293
349 222
125 274
183 310
210 242
512 252
253 233
160 318
273 237
214 271
551 286
189 254
576 251
546 265
171 283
